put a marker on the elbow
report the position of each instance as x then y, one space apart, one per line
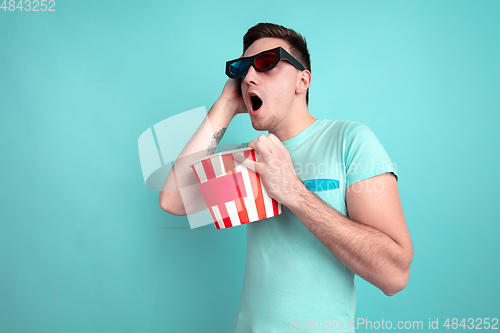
169 205
401 278
166 208
171 210
164 205
398 284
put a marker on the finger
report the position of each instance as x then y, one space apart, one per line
274 139
252 143
261 148
241 159
263 152
274 144
264 147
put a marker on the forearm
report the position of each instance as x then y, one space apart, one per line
203 143
366 251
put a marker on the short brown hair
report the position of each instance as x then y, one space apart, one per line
297 42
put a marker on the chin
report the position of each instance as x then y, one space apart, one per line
259 127
262 126
265 124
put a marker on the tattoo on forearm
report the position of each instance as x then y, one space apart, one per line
215 141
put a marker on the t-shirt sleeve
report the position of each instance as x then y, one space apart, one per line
364 155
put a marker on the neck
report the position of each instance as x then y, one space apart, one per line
297 120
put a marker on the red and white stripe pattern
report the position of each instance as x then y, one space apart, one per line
257 204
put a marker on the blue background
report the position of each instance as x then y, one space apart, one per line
84 245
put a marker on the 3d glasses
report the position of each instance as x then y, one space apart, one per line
261 62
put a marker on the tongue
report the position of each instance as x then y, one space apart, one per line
256 102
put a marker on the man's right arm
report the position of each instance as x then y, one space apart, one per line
203 143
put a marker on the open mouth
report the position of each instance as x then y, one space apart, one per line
256 102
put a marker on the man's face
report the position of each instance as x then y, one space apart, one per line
275 88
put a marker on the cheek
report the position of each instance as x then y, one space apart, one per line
289 85
283 98
287 91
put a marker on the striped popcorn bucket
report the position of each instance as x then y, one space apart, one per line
233 193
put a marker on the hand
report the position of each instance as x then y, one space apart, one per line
275 168
231 96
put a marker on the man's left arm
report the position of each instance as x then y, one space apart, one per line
373 242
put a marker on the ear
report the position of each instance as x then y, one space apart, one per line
303 82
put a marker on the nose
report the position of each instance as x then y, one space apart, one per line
251 76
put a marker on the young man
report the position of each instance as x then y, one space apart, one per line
342 213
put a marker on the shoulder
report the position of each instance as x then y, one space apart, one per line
341 128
